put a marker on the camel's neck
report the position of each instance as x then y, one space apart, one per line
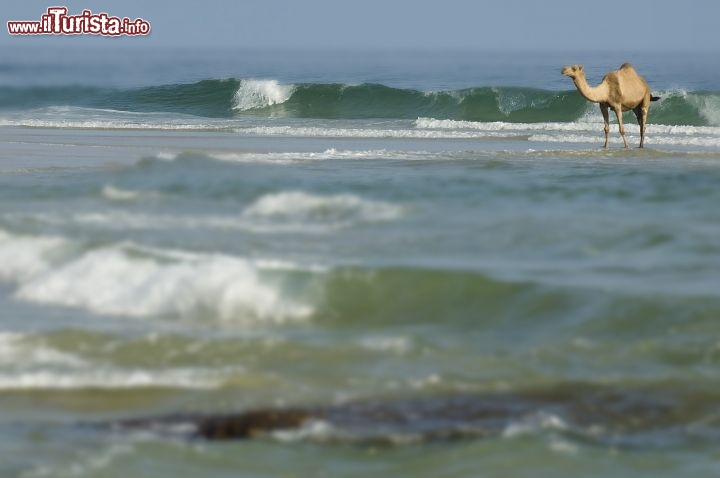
596 94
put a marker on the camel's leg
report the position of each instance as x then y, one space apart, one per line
641 115
641 112
606 119
618 113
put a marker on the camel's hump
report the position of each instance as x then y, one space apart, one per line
626 66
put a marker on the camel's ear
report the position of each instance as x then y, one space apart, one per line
579 68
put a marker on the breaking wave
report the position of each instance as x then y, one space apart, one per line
130 280
225 98
254 94
303 207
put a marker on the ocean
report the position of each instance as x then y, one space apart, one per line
427 256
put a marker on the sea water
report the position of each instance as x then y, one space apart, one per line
200 232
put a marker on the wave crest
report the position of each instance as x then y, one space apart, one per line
134 281
301 206
256 94
118 281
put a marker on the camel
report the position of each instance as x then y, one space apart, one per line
622 90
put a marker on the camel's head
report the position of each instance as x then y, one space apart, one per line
573 71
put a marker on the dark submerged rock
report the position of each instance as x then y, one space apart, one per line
626 417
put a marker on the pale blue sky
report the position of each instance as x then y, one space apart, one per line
621 25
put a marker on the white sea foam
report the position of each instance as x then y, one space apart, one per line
254 94
28 362
315 223
324 132
535 423
425 128
259 93
430 128
590 125
304 207
119 194
74 117
166 156
587 130
109 378
314 430
290 157
115 193
328 154
650 139
23 257
498 126
129 281
120 220
108 124
277 213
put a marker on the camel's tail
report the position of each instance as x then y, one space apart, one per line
654 98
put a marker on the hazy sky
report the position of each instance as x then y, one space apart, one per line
393 24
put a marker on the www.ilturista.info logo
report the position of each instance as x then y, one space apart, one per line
57 22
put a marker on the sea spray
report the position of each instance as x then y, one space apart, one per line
255 94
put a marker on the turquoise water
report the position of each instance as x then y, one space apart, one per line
430 253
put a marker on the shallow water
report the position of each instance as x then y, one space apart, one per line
155 262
